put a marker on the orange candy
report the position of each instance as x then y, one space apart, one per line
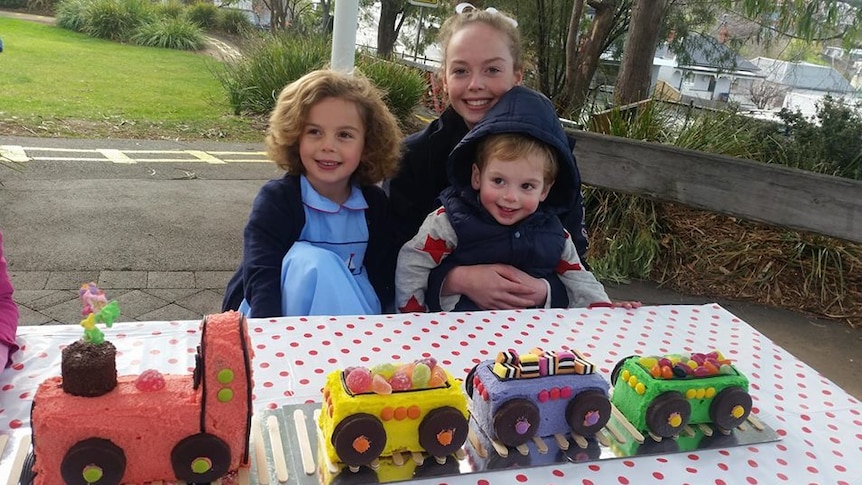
666 372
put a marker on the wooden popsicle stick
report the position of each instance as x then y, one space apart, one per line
742 427
615 433
500 448
630 429
541 447
418 458
655 437
460 453
580 441
20 457
706 430
259 451
4 438
562 441
476 444
756 423
687 431
397 458
304 443
243 476
603 440
277 448
523 449
217 481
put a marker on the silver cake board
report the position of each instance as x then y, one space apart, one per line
294 427
478 455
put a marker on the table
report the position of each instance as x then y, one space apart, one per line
820 424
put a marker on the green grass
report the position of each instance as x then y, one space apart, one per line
54 76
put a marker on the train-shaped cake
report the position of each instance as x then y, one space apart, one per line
660 395
92 427
416 407
538 394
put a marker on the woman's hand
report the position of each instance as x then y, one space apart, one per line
628 305
496 286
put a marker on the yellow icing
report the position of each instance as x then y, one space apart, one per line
412 407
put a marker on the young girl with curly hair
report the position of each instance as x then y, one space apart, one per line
317 241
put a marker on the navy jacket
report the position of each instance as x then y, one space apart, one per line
535 244
414 191
276 221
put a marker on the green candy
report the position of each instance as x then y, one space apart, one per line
421 376
385 370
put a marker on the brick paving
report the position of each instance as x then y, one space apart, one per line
51 297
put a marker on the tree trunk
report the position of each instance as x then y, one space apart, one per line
580 74
387 31
325 17
633 81
565 98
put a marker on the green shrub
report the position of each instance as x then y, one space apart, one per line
402 85
116 19
830 142
13 4
170 33
203 14
268 64
233 22
172 9
72 14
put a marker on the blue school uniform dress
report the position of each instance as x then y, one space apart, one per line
323 273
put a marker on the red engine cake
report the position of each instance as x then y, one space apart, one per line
92 427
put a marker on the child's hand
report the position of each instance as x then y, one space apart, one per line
628 305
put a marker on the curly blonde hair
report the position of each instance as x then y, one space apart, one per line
499 22
382 149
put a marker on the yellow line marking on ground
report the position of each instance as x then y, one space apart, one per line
205 156
116 156
14 153
17 153
68 159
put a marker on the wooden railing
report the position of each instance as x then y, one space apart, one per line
757 191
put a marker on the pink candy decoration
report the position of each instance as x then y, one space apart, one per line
150 380
400 381
358 380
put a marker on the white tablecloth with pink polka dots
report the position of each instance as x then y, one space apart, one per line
819 423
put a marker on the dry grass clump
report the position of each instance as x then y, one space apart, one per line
710 254
704 253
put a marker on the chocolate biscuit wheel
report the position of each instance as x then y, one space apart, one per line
359 439
730 408
94 461
516 422
667 414
588 412
443 431
200 458
468 382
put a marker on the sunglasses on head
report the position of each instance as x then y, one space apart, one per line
465 7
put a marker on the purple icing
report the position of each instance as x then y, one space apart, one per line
522 427
552 413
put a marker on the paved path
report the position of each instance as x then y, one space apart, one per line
158 224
